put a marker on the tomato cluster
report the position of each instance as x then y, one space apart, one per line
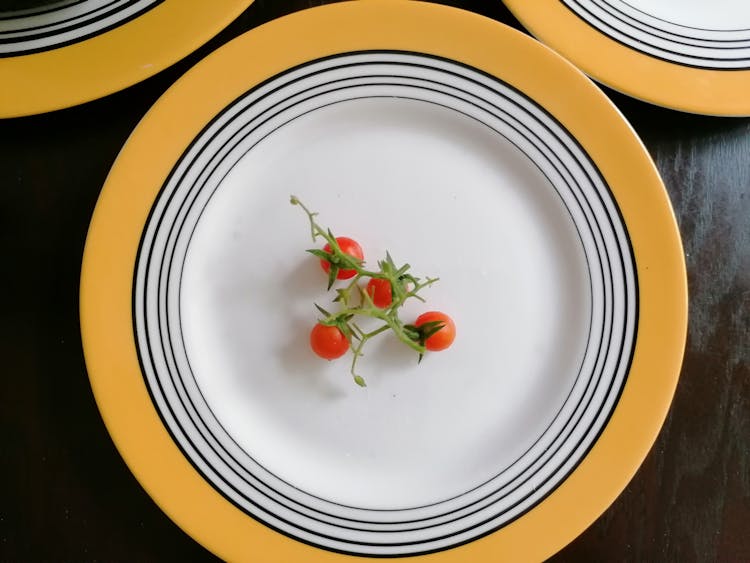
329 342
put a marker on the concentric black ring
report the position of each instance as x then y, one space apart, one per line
668 41
24 33
38 11
166 262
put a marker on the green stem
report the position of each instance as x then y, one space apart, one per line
357 352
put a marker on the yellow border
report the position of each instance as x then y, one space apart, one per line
84 71
688 89
179 116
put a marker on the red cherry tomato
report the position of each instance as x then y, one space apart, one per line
347 246
328 341
380 292
444 337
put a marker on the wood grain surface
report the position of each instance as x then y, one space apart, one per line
66 495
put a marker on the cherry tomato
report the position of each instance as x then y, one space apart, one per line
380 292
444 337
328 341
347 246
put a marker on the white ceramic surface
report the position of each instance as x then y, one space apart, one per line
455 200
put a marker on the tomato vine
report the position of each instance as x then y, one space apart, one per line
354 302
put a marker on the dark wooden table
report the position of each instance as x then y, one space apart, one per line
65 493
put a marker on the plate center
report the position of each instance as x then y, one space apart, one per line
454 199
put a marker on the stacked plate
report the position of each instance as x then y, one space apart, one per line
688 55
63 53
698 35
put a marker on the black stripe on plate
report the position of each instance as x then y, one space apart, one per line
233 140
604 31
665 34
475 511
682 25
31 12
456 97
87 18
327 500
389 62
32 50
379 544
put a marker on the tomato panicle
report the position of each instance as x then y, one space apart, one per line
387 290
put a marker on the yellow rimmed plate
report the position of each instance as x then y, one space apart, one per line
450 140
65 53
689 56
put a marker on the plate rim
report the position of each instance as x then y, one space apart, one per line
636 74
116 227
108 62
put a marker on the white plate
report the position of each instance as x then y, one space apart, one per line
511 178
714 35
689 55
58 54
464 179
